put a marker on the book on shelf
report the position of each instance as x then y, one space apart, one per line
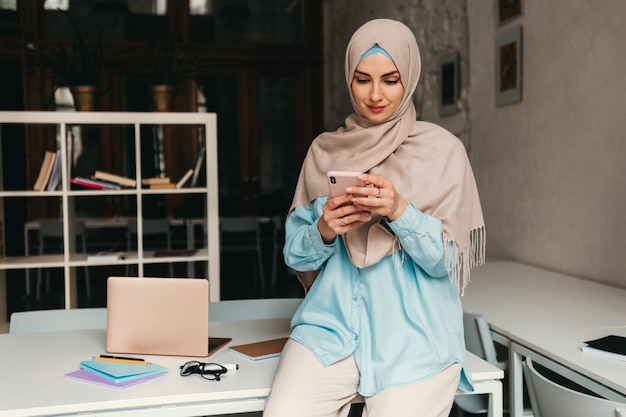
44 171
94 184
156 180
1 241
181 183
196 169
106 256
260 350
611 346
55 175
70 153
162 186
118 179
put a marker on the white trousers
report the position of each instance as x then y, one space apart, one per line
303 387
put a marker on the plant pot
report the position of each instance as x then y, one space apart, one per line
85 97
162 97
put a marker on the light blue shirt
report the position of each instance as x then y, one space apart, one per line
401 318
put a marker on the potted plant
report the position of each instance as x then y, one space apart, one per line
79 66
171 66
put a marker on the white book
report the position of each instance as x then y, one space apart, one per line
196 170
106 256
184 179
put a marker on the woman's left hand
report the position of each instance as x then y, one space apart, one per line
379 196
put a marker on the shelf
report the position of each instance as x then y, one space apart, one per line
137 198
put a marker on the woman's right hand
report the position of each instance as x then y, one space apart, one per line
339 216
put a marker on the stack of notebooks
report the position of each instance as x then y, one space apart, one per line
122 374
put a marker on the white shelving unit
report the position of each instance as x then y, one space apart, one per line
70 260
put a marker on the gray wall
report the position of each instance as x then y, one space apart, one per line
551 169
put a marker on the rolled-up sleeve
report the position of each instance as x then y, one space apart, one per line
304 248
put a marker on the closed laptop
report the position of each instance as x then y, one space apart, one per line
158 316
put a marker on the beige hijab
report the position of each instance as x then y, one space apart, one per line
427 165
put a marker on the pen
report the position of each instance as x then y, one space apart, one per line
228 366
123 359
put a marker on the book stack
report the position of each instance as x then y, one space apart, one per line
116 373
164 182
158 183
104 181
94 184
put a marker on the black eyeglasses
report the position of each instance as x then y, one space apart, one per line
210 371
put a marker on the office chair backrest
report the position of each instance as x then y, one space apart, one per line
151 227
550 399
54 229
478 339
240 233
58 320
258 309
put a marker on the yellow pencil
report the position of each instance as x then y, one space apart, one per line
122 359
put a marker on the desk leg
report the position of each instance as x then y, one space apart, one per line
506 342
516 382
27 254
494 389
190 245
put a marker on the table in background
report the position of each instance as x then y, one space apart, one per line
33 366
190 225
547 316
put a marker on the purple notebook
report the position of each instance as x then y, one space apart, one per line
84 375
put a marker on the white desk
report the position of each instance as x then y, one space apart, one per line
33 365
546 316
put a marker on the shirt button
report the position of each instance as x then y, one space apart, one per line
356 337
355 298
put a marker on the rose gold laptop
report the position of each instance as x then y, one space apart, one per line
158 316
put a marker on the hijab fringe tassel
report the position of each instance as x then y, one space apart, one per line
460 262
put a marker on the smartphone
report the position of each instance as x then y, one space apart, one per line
338 181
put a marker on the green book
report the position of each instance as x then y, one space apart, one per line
119 371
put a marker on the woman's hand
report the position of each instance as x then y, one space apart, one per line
339 216
350 210
379 196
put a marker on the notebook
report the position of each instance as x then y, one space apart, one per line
611 346
159 316
260 350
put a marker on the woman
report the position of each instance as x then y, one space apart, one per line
383 316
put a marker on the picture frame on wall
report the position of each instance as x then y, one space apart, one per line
449 84
509 10
509 67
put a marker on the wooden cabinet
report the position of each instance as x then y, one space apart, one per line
132 132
